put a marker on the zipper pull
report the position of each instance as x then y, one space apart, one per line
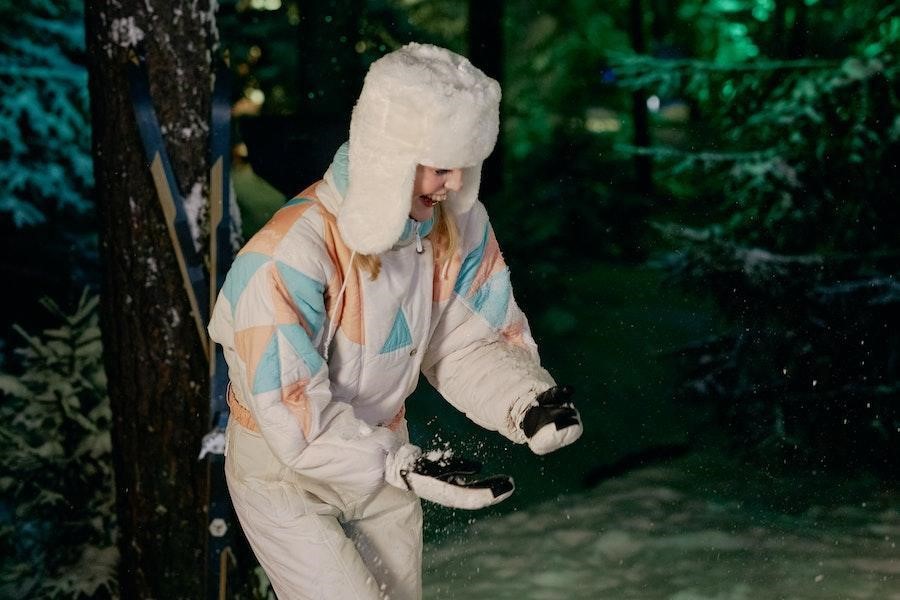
419 248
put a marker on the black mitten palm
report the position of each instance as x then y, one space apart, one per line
443 478
553 421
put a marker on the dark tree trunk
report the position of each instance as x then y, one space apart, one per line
486 53
643 168
154 360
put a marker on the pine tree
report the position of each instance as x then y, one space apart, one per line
46 175
56 518
800 253
45 163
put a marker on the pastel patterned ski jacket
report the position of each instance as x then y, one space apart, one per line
333 419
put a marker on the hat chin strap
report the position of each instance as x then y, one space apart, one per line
332 324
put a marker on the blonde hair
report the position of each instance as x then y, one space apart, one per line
444 236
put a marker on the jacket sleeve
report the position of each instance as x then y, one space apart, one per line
270 318
481 356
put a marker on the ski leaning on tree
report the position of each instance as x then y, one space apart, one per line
386 268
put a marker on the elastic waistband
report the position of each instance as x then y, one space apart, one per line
242 415
239 412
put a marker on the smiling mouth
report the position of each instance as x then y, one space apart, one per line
433 199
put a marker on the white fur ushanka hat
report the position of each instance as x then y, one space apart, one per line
419 105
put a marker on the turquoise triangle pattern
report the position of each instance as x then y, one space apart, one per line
303 348
242 270
268 371
306 293
399 336
491 300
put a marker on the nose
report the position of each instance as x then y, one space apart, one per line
453 181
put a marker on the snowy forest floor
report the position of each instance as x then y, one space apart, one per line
699 528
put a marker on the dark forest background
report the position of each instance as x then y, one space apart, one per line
697 200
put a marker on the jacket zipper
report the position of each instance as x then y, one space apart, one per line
419 248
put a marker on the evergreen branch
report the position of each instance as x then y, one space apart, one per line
668 152
25 453
701 236
42 73
887 289
642 61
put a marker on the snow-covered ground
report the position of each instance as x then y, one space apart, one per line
655 534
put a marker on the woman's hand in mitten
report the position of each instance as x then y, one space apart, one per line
552 421
442 478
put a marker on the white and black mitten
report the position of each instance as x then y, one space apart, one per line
443 478
552 421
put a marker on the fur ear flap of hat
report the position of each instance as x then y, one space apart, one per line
424 105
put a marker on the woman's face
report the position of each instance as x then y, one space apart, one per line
431 187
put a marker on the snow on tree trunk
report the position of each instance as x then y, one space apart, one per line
154 360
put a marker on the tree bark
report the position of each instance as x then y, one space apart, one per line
157 372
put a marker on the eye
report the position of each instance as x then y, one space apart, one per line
441 172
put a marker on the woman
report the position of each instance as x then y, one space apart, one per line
385 268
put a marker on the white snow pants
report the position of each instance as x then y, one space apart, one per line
315 543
